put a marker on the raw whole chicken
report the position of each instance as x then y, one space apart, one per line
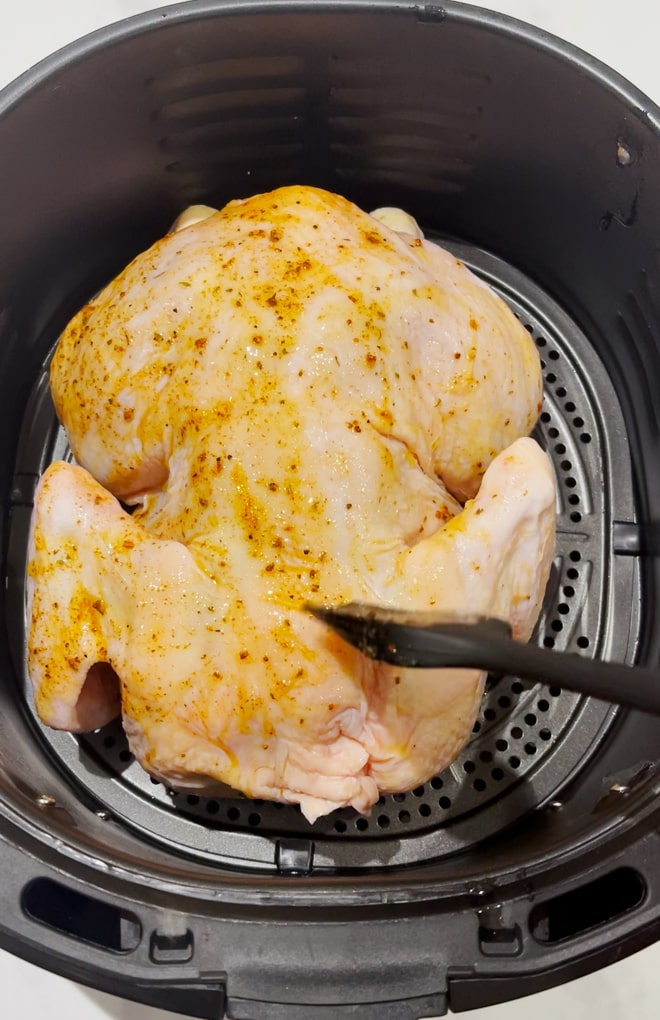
301 403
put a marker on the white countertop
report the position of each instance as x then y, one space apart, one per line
625 36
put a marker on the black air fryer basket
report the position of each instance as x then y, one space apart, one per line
534 858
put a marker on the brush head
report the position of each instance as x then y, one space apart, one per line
408 638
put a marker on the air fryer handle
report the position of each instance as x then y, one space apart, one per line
398 1009
239 969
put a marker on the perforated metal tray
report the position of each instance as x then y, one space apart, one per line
528 740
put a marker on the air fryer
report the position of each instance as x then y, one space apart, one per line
533 859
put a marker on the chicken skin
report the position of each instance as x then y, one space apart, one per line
297 398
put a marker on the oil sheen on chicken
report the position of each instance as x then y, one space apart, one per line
302 402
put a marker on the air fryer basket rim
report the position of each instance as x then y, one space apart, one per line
58 835
15 91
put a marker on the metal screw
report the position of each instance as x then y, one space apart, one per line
44 800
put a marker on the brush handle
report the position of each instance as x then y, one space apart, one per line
484 645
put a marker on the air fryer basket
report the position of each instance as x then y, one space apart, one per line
533 859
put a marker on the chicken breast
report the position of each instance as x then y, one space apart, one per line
297 398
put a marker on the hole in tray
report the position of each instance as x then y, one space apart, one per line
81 917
